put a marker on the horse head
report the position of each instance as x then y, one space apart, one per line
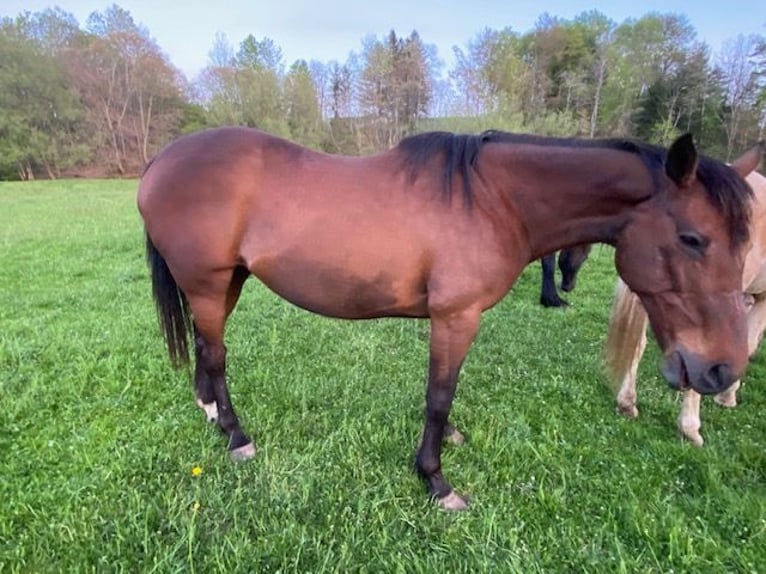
682 252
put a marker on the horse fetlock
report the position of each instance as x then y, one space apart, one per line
426 466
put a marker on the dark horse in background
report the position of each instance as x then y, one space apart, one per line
570 261
440 227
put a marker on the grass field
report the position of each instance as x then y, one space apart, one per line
101 445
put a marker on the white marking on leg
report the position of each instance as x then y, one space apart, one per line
626 398
211 410
689 420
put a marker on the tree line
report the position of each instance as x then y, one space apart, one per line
100 99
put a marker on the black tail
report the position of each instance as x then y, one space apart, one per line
172 307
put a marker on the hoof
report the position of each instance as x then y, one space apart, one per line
211 410
454 436
628 411
242 453
693 437
553 302
727 401
453 502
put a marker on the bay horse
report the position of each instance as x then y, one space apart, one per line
626 338
570 261
439 227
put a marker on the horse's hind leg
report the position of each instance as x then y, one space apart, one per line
210 311
203 386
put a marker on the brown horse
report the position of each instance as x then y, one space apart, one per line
440 227
626 338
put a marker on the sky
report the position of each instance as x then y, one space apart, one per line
328 30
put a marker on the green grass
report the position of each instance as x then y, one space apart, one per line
99 436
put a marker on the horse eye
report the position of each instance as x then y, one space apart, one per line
693 241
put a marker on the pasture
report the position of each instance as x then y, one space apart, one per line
106 464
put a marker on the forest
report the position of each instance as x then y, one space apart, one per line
99 98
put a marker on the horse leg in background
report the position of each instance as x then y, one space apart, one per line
756 323
210 311
451 337
625 345
689 421
570 261
549 297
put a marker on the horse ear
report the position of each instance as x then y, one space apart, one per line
749 161
681 164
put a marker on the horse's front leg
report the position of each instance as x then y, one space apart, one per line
689 422
451 337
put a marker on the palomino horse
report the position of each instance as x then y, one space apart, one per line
626 338
570 261
440 227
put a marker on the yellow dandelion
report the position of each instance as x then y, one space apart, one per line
196 471
196 506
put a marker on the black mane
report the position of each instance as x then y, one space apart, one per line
728 192
459 151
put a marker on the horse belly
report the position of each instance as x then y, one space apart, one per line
327 287
349 255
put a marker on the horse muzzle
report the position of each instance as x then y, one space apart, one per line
684 370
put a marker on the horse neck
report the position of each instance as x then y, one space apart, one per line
566 196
